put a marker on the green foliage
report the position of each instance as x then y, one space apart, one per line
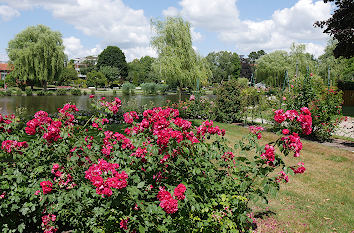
324 104
96 78
41 93
140 71
68 74
229 101
271 67
92 92
253 56
111 73
177 62
29 91
345 85
18 92
149 88
114 92
224 65
243 82
76 92
128 88
37 54
163 88
8 92
61 92
114 57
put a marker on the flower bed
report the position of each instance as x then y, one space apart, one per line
162 174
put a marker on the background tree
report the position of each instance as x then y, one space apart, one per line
68 74
253 56
177 62
96 78
341 27
223 65
140 71
37 54
111 73
114 57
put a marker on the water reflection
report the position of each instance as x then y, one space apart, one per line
50 104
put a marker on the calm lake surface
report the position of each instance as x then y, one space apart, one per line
50 104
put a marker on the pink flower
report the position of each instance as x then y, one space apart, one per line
170 206
46 186
37 192
279 116
284 98
124 223
179 192
92 96
269 153
192 97
285 131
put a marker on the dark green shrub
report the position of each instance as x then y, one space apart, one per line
163 88
149 88
92 92
76 92
228 101
41 93
114 92
8 92
28 91
128 88
18 92
61 92
84 92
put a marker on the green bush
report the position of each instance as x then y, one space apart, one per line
84 92
128 88
40 93
28 91
8 92
149 88
243 82
324 104
92 92
61 92
76 92
18 92
2 93
114 92
163 88
229 101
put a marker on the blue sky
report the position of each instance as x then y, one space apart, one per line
241 26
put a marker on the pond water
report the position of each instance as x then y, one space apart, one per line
50 104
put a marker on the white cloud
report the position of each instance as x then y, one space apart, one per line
109 20
7 13
171 11
196 36
138 52
211 14
288 25
74 48
315 49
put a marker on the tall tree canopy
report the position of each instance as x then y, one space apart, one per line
37 54
223 65
111 73
114 57
341 27
177 62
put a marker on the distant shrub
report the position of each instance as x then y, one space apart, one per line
18 92
76 92
41 93
28 91
128 88
49 93
84 92
8 92
61 92
92 92
243 82
2 93
163 88
149 88
228 101
114 92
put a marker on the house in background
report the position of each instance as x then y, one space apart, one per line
84 62
5 69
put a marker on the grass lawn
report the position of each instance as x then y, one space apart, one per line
320 200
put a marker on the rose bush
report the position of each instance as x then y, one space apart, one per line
162 174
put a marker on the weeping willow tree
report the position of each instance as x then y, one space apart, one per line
177 62
271 67
37 54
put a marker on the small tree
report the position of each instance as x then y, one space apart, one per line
68 74
96 78
114 57
37 54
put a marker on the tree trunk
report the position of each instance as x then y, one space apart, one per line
45 85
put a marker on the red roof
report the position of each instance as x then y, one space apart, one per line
5 66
